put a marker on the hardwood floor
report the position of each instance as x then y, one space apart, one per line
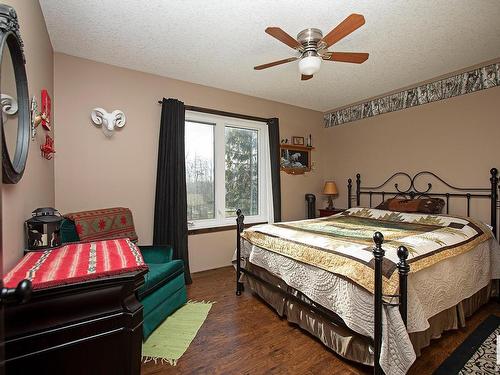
242 335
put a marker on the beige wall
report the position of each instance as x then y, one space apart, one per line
93 171
36 189
458 138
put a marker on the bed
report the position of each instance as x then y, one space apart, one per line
379 302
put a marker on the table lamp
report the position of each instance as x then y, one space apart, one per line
330 189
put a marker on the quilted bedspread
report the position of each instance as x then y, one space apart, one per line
77 262
342 244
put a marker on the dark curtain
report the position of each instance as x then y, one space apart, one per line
170 220
274 152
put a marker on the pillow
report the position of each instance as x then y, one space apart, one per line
421 205
104 224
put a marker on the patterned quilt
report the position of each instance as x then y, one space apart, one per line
342 244
77 262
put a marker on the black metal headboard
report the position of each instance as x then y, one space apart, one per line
412 191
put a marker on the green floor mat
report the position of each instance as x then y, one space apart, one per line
172 338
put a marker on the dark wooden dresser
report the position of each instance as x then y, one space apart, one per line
92 327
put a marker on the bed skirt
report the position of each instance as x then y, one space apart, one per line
342 340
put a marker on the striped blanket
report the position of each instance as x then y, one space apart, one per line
77 262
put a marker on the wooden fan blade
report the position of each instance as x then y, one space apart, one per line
283 37
305 77
274 63
347 26
349 57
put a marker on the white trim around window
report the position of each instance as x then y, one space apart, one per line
264 193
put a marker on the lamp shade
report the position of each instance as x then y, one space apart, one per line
330 188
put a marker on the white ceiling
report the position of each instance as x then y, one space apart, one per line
217 42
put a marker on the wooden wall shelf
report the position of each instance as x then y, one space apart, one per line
295 170
300 155
295 147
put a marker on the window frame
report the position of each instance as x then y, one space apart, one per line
220 122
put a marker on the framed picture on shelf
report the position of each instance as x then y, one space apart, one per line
298 141
295 159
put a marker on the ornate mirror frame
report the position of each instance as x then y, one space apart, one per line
13 167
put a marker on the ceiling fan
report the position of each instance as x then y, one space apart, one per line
313 46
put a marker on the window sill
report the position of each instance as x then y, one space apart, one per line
219 229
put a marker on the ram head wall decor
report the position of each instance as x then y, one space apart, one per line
108 121
8 104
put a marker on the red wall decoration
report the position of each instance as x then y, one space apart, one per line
47 148
46 110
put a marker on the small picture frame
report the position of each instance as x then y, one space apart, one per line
298 141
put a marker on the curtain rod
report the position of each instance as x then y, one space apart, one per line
223 113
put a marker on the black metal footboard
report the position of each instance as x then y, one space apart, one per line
379 297
379 301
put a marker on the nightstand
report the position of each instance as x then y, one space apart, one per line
323 212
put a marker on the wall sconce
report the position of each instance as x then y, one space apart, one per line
37 118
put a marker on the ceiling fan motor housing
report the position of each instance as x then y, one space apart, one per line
309 39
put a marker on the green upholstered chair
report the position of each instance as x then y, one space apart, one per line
164 289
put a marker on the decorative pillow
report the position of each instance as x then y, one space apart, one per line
423 205
104 224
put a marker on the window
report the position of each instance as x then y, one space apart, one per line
226 169
241 171
200 170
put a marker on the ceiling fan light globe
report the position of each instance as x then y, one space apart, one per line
309 65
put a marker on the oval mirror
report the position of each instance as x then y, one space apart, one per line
14 102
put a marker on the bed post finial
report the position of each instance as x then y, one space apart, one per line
403 270
239 228
494 197
358 189
378 238
239 220
349 193
378 253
